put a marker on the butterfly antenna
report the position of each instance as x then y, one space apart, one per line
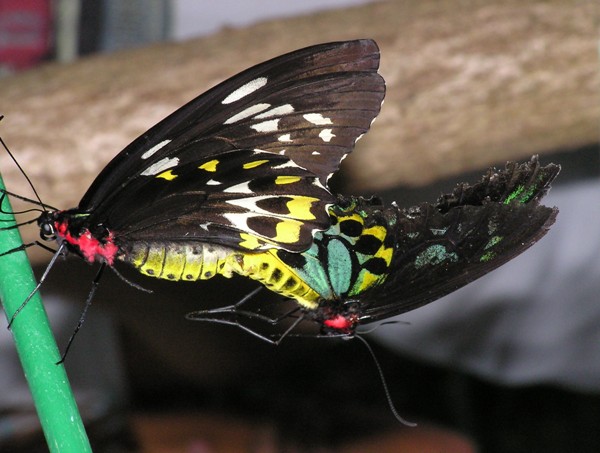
381 324
29 200
38 200
88 303
5 193
384 384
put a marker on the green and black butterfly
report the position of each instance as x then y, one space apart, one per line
242 168
375 262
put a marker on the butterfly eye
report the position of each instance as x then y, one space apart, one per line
47 232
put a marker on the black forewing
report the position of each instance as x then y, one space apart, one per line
260 194
311 105
474 230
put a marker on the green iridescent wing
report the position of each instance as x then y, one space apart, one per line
466 234
352 255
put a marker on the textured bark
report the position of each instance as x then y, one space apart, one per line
470 83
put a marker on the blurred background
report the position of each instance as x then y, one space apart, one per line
510 363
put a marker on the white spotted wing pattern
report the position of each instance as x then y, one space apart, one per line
250 157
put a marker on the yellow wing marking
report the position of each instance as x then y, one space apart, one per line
287 179
168 175
288 231
254 164
211 165
250 242
300 206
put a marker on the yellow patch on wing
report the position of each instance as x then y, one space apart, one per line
250 242
287 179
385 254
354 216
254 164
378 231
168 175
300 206
367 279
288 231
211 165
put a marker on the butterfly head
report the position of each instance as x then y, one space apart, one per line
72 229
47 227
338 317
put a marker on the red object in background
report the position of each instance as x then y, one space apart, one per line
25 33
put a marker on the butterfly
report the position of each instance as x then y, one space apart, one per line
242 167
375 262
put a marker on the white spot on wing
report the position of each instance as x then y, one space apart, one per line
245 90
250 111
317 183
285 138
358 138
155 148
212 182
326 135
249 204
277 111
239 188
316 153
341 160
282 152
288 164
266 126
238 220
160 166
317 118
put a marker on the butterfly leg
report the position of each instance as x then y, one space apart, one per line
129 282
26 246
88 303
231 314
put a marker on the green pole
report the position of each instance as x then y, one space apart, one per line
48 382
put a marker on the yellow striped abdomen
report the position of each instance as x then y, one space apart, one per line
180 261
200 261
268 269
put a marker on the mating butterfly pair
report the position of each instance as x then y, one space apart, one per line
235 181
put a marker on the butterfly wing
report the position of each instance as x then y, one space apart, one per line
474 230
307 107
243 199
311 105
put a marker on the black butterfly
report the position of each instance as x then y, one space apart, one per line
243 167
375 262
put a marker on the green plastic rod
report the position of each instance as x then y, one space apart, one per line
48 382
